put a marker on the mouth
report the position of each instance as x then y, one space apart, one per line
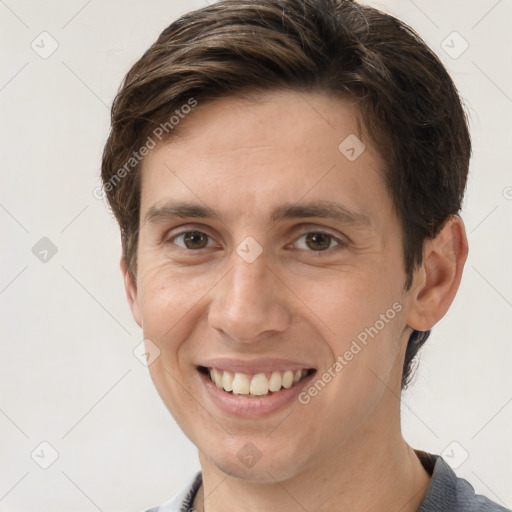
255 385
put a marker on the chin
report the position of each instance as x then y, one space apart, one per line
256 460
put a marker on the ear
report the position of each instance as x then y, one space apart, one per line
130 287
436 282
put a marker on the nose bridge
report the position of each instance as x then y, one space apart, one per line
247 303
249 281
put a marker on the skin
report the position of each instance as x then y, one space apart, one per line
344 449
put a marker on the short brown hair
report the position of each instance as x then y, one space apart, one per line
407 101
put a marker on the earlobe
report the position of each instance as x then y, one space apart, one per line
130 287
437 280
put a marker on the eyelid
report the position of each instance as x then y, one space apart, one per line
306 228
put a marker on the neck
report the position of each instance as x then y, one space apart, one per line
360 476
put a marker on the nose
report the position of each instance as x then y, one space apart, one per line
249 303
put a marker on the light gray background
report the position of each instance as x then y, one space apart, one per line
68 373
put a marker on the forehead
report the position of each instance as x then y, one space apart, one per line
281 120
276 148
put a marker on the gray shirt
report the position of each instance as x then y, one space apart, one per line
446 492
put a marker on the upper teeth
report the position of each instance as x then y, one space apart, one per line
259 384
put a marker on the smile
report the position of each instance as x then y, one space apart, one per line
255 385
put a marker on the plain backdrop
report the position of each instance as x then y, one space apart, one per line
69 378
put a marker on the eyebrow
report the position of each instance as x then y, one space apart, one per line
180 209
320 209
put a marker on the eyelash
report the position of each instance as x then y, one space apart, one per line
341 244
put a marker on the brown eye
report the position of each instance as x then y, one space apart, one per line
192 240
317 241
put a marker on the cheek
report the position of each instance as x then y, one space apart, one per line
170 306
168 294
350 389
361 319
350 303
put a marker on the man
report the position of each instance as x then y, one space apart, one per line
287 176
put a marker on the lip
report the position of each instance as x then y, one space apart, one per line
242 407
254 366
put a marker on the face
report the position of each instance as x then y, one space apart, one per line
269 257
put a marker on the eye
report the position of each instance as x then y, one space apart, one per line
318 241
192 240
